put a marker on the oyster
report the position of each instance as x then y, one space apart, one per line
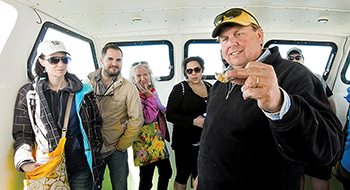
221 77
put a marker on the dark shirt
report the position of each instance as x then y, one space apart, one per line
74 148
183 107
242 149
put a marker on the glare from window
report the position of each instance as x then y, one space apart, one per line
9 15
210 53
82 61
156 55
315 57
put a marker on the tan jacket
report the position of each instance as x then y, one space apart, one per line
121 111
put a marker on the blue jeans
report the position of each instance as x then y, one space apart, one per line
118 169
81 181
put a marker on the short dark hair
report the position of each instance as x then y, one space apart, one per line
112 46
189 59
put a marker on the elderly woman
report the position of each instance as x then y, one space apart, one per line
141 76
40 113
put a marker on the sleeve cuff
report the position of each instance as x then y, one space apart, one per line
285 108
121 150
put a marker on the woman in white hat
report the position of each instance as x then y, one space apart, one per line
39 116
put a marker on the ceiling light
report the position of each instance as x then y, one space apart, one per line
323 20
323 17
136 18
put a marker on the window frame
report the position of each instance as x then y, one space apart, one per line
41 36
314 43
345 68
200 41
155 42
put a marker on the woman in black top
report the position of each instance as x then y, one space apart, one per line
186 110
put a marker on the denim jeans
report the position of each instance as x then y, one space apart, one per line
81 181
118 169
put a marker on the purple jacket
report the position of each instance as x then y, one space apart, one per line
150 107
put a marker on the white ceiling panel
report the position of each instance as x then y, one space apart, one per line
114 17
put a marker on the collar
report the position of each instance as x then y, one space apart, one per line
263 56
74 84
99 76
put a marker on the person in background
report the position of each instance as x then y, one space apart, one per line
120 107
319 175
344 166
295 54
48 96
269 120
186 109
141 76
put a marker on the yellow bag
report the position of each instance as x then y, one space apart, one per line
149 145
52 175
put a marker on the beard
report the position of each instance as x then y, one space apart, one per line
112 73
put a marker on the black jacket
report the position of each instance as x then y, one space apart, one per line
242 149
91 121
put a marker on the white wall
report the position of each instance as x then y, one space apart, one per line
13 61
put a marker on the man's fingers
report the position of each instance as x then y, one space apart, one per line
252 93
237 74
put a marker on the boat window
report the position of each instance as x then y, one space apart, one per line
158 54
210 51
318 56
345 74
81 49
9 15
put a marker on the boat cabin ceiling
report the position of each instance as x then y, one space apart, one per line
117 19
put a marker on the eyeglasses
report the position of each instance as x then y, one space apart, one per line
137 63
291 58
55 60
196 70
233 13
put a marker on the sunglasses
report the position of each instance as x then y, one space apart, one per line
55 60
232 13
298 57
196 70
137 63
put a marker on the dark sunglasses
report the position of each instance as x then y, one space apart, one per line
232 13
298 57
137 63
196 70
55 60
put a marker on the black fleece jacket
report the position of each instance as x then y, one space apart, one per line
242 149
